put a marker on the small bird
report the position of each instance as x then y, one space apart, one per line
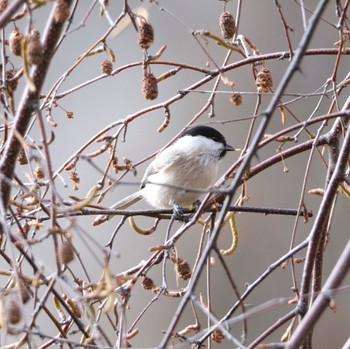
191 162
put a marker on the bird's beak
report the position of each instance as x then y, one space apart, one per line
229 148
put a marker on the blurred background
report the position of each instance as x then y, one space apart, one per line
107 99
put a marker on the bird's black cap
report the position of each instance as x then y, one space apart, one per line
208 132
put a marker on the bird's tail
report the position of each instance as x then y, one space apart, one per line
120 205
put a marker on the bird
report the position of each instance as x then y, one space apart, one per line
191 162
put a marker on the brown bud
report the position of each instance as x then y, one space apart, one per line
316 191
39 173
236 99
13 312
150 86
217 336
11 82
147 283
264 80
62 11
3 5
15 42
183 269
22 157
34 48
74 177
107 67
145 35
227 25
65 253
25 295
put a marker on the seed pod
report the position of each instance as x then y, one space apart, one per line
39 173
25 295
13 312
236 99
107 67
3 5
227 25
34 48
65 253
11 82
217 336
147 283
62 11
183 269
150 86
145 34
264 80
15 42
22 157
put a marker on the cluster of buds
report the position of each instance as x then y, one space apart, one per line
11 81
22 157
13 312
227 25
3 5
145 34
217 336
65 253
61 12
147 283
236 99
107 67
183 269
264 80
39 172
74 177
15 42
150 86
34 52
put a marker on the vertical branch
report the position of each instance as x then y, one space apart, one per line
27 106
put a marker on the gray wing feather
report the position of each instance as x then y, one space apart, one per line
120 205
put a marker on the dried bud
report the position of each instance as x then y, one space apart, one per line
15 42
145 35
74 177
107 67
299 260
39 173
227 25
236 99
22 157
217 336
183 269
13 312
264 80
69 114
65 253
62 11
11 82
150 86
24 292
147 283
34 48
316 191
3 5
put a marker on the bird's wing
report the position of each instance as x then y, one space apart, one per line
120 205
162 163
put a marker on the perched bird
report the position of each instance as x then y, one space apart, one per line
191 162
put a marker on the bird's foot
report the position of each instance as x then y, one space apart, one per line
178 212
196 205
